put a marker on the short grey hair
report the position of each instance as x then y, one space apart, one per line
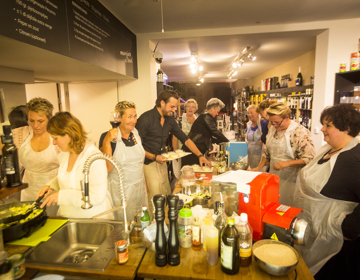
214 103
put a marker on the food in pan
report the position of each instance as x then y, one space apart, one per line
18 210
201 195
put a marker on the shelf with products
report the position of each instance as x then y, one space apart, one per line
347 88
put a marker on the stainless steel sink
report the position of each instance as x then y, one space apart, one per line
82 244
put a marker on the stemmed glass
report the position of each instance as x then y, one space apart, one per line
114 121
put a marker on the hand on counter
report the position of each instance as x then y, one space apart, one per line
203 160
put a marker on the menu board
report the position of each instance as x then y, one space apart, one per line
81 29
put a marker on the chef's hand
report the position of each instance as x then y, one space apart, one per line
43 190
161 159
280 165
50 200
111 135
261 143
203 160
256 169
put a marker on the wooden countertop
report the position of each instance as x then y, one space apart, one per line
4 191
193 265
113 271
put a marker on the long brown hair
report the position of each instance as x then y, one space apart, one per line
63 123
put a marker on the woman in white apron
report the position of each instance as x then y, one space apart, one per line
37 153
130 154
65 189
289 147
253 136
328 191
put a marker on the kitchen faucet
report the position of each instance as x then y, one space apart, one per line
86 171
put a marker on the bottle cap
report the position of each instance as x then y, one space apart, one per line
185 212
208 219
144 207
244 217
230 221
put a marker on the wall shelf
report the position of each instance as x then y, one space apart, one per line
345 82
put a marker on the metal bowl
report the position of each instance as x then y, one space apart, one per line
272 269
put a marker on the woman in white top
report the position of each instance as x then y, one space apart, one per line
130 154
65 190
37 153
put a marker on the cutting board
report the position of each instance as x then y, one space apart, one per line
42 234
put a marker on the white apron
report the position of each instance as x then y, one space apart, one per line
254 148
280 150
324 215
131 159
40 167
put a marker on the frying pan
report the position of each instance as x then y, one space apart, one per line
25 229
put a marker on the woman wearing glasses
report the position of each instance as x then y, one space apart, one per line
288 148
255 127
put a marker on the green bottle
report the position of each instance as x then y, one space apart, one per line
145 217
230 260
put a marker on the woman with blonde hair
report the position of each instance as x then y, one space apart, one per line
254 129
65 190
288 148
37 153
129 152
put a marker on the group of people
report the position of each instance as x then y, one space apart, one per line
53 150
324 185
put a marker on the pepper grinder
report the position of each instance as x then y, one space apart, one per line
160 240
174 255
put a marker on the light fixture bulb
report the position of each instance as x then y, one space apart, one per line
202 80
193 58
193 70
201 67
198 84
192 66
234 65
234 73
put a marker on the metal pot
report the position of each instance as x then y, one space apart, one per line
24 229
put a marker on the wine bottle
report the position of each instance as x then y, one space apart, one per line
299 78
11 159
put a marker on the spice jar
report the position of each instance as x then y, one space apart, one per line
121 251
185 227
18 263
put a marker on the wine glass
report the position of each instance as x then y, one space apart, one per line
114 121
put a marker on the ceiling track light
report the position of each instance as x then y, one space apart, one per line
194 65
239 61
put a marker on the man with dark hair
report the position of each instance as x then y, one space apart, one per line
18 117
154 127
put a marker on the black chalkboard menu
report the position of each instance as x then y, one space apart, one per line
81 29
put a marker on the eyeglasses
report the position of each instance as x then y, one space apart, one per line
276 123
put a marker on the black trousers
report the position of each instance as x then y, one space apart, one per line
344 265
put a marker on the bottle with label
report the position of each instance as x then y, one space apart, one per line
299 78
230 261
11 159
212 245
196 234
185 227
244 240
160 76
145 217
220 221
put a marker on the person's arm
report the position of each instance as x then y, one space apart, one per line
174 142
217 136
105 145
262 163
290 163
157 158
192 147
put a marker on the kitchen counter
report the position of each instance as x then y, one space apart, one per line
113 271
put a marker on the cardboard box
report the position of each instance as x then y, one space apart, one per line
291 83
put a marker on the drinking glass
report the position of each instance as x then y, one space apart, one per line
114 121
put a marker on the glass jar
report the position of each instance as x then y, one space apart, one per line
121 251
187 176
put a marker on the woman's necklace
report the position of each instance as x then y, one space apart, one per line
329 153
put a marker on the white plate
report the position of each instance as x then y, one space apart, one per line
184 197
177 156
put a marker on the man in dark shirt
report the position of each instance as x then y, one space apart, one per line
154 127
204 131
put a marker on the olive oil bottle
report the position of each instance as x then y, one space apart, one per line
230 259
